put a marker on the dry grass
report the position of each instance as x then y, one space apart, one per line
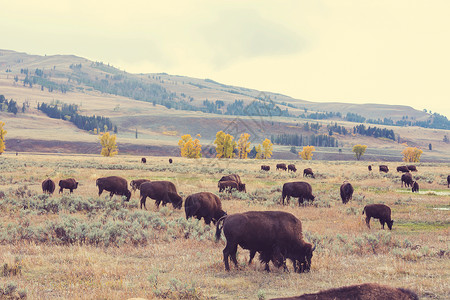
173 264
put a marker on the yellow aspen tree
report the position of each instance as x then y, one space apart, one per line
307 152
267 148
243 145
225 145
2 137
259 152
411 154
190 148
359 150
108 142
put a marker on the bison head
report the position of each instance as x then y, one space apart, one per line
128 195
303 257
242 188
389 224
177 201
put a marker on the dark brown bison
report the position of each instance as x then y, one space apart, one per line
370 168
229 185
272 233
143 160
170 161
204 205
265 168
308 172
412 168
407 179
365 291
48 186
384 168
136 183
298 189
346 192
292 168
448 181
115 185
282 167
231 177
403 169
415 187
160 191
69 184
378 211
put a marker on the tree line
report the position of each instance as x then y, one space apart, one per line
374 131
319 140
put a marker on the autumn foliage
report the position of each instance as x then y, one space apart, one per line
108 142
359 150
307 152
190 148
225 145
2 137
411 154
243 145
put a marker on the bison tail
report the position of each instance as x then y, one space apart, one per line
96 182
219 228
363 210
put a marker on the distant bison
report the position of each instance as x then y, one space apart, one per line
204 205
403 169
229 185
160 191
412 168
448 181
48 186
384 168
265 168
415 187
136 183
298 189
282 167
308 172
231 177
170 161
115 185
365 291
378 211
292 168
407 179
143 160
346 192
69 184
370 168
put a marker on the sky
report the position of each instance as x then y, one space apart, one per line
354 51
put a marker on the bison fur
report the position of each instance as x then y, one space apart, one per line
160 191
378 211
204 205
48 186
298 189
69 184
346 192
115 185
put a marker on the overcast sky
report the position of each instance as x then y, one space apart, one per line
358 51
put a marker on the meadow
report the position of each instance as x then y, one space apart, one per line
82 246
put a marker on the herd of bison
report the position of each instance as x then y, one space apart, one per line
275 235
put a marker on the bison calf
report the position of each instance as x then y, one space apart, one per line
204 205
346 192
160 191
115 185
48 186
415 187
378 211
69 184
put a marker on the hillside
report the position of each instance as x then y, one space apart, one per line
162 107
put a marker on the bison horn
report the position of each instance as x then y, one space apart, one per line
314 248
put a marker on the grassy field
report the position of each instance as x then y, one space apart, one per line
90 247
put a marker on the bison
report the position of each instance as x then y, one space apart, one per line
170 161
272 233
292 168
231 177
415 187
204 205
448 181
403 169
407 179
412 168
48 186
136 184
69 184
229 185
378 211
160 191
384 168
346 192
265 168
282 167
298 189
115 185
143 160
308 172
365 291
370 168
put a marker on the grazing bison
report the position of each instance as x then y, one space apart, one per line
265 168
415 187
298 189
365 291
282 167
160 191
346 192
292 168
272 233
370 168
231 177
229 185
143 160
48 186
115 185
384 168
412 168
204 205
407 179
69 184
170 161
403 169
136 184
378 211
448 181
308 172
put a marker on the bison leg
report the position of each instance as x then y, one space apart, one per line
100 191
207 220
61 190
382 223
143 201
111 194
71 191
368 221
300 200
229 251
252 255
